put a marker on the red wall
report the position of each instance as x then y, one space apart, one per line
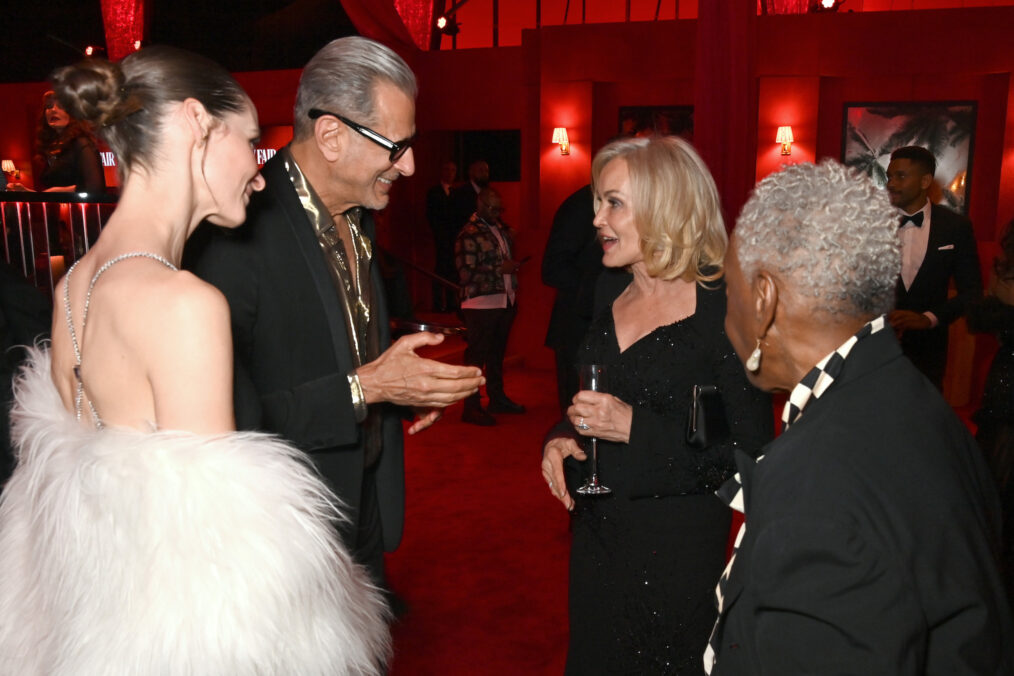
578 76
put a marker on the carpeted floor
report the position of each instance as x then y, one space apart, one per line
483 562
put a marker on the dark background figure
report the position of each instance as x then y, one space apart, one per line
487 271
440 214
995 417
66 155
937 246
571 263
463 197
25 315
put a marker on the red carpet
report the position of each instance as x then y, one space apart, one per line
483 563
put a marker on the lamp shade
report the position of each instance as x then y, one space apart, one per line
8 166
560 135
784 135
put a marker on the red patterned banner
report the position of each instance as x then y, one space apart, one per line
124 23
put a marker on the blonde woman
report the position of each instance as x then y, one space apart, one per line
644 560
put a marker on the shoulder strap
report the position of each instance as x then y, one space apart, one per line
79 396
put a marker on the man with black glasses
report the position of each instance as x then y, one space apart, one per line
313 356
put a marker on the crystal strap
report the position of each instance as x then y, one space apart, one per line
79 395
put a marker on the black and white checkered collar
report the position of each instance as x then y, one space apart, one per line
815 383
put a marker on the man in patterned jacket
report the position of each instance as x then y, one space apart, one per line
487 271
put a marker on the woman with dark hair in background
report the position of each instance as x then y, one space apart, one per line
66 156
644 559
139 533
995 417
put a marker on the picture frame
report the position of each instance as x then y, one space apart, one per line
872 130
657 121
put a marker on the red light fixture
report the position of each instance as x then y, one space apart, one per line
784 136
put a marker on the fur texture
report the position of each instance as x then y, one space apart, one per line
169 553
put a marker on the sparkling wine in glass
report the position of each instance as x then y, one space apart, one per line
593 377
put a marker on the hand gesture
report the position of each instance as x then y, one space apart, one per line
402 377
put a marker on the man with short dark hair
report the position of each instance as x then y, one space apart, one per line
463 197
313 359
937 246
487 272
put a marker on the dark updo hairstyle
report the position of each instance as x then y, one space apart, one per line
126 101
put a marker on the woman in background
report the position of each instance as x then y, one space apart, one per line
139 533
995 417
645 559
66 156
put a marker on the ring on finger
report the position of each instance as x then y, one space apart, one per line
581 425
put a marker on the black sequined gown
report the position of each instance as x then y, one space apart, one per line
645 560
995 417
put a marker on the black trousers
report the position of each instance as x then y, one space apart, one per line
487 344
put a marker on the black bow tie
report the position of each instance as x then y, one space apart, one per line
915 219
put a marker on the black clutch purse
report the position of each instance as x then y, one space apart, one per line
707 423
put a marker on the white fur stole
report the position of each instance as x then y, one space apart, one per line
169 553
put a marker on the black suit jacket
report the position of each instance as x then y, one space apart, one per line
291 347
870 538
571 263
951 253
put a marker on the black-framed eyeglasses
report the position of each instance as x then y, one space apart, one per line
396 149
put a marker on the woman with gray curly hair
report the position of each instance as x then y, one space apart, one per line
870 522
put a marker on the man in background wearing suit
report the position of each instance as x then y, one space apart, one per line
571 263
313 360
464 196
441 216
937 245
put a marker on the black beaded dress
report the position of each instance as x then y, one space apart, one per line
645 560
995 417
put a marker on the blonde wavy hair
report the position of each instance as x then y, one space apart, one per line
676 206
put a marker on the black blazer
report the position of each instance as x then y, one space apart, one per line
291 347
870 538
571 263
951 253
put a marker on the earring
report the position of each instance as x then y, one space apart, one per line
753 361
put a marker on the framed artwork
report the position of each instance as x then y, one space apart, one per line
657 120
945 128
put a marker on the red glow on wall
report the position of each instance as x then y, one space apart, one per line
124 23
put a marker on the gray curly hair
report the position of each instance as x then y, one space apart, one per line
831 230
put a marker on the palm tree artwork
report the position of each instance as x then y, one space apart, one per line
872 131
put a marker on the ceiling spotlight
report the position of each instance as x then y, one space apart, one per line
447 25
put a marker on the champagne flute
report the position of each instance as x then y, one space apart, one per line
593 377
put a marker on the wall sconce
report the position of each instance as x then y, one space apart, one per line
9 168
785 138
560 136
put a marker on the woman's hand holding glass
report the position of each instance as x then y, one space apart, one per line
601 415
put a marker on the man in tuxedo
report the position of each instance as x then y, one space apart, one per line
937 245
441 216
313 359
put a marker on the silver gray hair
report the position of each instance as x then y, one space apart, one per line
340 78
828 229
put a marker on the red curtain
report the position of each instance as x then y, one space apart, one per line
725 98
124 24
382 21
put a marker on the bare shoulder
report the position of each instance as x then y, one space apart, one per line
183 303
